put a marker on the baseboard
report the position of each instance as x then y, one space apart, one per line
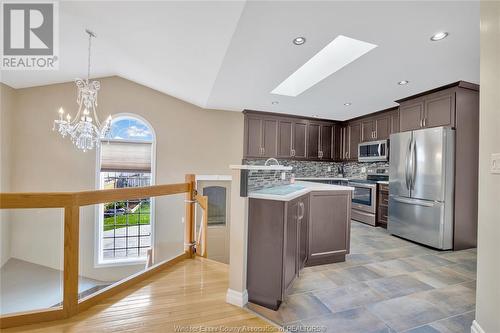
475 328
237 298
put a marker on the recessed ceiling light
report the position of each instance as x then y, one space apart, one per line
275 102
439 36
299 40
347 104
402 83
315 116
337 54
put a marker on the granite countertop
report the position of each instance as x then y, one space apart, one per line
298 189
383 182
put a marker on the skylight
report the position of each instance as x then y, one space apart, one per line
340 52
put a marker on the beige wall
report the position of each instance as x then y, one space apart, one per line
7 105
188 140
488 273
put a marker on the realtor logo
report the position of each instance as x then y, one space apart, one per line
30 32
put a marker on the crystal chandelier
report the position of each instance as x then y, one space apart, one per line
85 130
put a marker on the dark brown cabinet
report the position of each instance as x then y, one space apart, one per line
382 205
329 227
285 132
277 248
261 137
352 137
313 131
320 141
299 139
379 127
326 141
433 110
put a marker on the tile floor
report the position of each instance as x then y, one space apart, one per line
386 284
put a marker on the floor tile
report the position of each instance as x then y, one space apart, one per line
458 324
405 312
357 320
392 267
348 297
440 277
429 260
397 286
299 307
311 281
451 300
470 284
351 275
423 329
460 257
467 269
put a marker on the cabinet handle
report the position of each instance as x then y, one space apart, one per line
421 123
425 121
263 150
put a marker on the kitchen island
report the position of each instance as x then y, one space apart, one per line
293 226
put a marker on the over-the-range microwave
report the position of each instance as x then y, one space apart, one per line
373 151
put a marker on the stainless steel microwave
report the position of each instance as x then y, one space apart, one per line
373 151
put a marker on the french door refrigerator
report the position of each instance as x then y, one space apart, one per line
421 185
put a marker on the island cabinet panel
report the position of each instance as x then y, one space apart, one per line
275 248
329 227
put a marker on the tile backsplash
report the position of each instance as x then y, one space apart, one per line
259 179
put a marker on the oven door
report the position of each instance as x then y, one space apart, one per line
364 197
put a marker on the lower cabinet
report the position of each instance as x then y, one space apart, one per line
382 205
285 236
329 227
277 248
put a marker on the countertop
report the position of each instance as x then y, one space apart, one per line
307 188
386 182
321 178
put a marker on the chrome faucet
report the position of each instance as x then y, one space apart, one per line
272 159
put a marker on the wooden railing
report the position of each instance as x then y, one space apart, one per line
71 203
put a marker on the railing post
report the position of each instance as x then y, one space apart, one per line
189 218
71 247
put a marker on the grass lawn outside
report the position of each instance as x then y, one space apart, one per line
133 218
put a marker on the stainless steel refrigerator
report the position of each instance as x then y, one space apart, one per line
421 185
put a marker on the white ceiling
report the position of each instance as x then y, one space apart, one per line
230 54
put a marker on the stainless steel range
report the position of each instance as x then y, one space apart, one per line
364 197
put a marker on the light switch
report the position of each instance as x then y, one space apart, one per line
283 175
495 163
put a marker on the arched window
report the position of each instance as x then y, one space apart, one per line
126 160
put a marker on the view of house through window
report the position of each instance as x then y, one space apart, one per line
126 161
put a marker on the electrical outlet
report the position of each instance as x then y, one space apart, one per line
363 170
283 175
329 169
495 163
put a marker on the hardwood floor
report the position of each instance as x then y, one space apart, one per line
189 294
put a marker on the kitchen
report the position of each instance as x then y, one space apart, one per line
410 176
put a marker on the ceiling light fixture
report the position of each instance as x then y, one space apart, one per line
275 102
85 132
402 83
439 36
315 116
337 54
299 40
347 104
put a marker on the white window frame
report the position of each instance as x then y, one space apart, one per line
99 261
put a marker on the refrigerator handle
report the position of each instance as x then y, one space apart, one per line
407 162
413 163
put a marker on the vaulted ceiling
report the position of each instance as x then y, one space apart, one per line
231 54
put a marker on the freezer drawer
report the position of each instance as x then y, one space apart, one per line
422 221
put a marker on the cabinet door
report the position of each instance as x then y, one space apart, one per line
410 116
313 140
383 127
285 138
326 138
270 138
253 137
354 139
290 260
367 130
395 122
440 110
303 229
299 139
328 225
337 143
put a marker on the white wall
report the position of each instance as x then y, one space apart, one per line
189 140
7 104
488 270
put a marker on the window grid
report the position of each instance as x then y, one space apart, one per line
127 216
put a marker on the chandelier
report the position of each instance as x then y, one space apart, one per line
85 130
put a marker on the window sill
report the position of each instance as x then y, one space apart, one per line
121 262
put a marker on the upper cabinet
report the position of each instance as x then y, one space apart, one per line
320 141
380 126
261 136
433 109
